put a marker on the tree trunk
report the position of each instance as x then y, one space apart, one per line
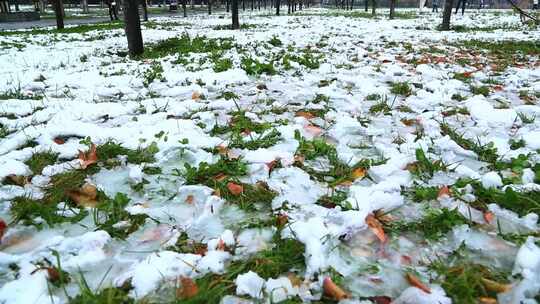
227 6
243 5
133 27
209 7
277 7
392 8
58 12
366 3
184 7
145 10
447 13
373 7
234 9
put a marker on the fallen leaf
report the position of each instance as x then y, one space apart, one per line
222 150
18 180
295 280
53 274
414 281
188 288
235 189
444 191
221 245
281 220
59 141
195 95
85 196
189 199
376 227
488 216
495 286
88 158
359 173
305 114
299 159
220 177
3 229
313 130
380 299
333 291
487 300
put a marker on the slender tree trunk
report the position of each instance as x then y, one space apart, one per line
366 3
392 8
373 7
352 4
209 7
277 7
234 10
145 10
227 6
58 8
133 27
447 13
184 7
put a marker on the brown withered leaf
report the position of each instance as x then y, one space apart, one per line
496 286
86 196
359 173
18 180
376 227
234 188
189 199
414 281
305 114
488 216
487 300
333 291
187 289
444 191
88 158
3 229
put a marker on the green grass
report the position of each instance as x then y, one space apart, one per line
400 88
424 167
38 161
109 212
480 90
80 29
255 67
110 150
486 152
37 213
205 173
435 224
465 281
185 45
505 47
338 172
287 255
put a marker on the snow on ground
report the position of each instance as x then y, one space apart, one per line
396 160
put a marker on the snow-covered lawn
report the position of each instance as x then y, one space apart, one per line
273 163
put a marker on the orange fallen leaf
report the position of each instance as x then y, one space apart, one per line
305 114
487 300
414 281
313 130
85 196
220 177
221 245
195 95
189 199
376 227
235 189
488 216
59 141
188 288
88 158
359 173
222 149
3 229
444 191
281 220
495 286
333 291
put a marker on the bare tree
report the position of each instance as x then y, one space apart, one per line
277 7
145 10
234 10
184 8
58 10
209 7
373 7
133 27
447 14
392 8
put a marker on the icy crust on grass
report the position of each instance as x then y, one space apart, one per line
104 97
